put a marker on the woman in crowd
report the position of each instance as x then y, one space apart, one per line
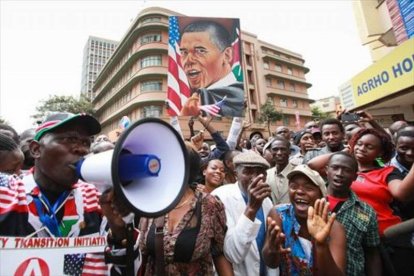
376 185
301 239
304 140
11 157
192 234
380 186
213 175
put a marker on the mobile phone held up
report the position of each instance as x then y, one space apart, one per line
349 117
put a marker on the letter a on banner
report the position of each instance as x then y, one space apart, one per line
33 266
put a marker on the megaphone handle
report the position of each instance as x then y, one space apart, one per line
130 268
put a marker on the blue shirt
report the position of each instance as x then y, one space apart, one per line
296 262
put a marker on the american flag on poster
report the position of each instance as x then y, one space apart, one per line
178 89
85 264
213 109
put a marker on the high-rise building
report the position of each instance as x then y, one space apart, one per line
95 54
386 88
133 82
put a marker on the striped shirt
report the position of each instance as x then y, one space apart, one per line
78 215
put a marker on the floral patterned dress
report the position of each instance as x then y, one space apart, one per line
207 217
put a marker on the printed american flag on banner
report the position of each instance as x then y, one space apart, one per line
88 264
178 89
213 109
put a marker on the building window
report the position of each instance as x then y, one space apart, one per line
280 84
294 103
289 71
283 102
151 61
293 86
249 60
268 82
278 68
151 86
250 77
266 65
151 111
285 120
148 38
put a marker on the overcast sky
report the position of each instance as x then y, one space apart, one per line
42 42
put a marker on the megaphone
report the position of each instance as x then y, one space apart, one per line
147 167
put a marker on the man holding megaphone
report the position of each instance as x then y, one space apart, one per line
51 201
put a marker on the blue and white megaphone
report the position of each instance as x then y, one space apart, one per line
147 167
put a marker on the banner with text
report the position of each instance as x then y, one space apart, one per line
391 74
52 256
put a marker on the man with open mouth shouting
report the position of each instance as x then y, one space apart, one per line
302 238
206 56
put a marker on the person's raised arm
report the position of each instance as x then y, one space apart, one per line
221 145
319 163
245 126
367 119
403 190
191 127
273 246
242 232
329 240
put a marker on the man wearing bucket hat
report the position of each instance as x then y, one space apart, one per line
246 204
57 204
302 231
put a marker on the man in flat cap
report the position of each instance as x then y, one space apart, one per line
246 204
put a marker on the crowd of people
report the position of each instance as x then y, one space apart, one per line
318 201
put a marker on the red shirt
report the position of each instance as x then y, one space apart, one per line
333 201
372 188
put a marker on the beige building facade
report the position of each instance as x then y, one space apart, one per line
330 105
133 82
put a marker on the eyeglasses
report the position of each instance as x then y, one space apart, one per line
73 140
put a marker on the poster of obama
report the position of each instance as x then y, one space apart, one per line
204 68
